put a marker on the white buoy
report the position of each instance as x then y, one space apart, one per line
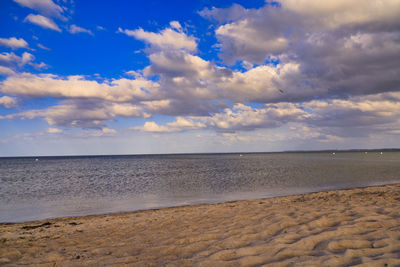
36 159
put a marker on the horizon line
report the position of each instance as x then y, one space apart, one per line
205 153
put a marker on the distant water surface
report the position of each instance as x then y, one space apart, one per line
74 186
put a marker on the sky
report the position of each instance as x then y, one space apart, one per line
143 77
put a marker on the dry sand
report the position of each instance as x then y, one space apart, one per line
338 228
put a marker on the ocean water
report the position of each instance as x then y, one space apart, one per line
72 186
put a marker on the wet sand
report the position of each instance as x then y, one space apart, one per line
358 227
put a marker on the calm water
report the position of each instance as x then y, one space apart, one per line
70 186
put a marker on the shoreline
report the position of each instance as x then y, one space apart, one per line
335 227
195 204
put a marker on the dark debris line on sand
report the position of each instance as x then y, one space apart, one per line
30 227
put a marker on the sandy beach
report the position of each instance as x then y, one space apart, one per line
357 227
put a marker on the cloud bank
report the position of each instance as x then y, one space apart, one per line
330 68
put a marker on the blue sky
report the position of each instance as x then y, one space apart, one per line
127 77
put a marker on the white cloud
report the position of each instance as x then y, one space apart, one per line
133 73
362 111
100 28
264 83
6 71
251 42
234 13
175 25
252 34
179 64
333 14
54 131
7 58
103 132
324 49
26 58
109 131
13 42
43 47
76 29
8 102
157 106
180 124
12 59
81 113
256 34
153 127
39 66
126 110
166 39
186 124
46 7
43 22
244 118
239 118
322 120
47 85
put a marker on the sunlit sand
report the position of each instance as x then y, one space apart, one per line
335 228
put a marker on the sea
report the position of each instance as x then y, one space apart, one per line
34 188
